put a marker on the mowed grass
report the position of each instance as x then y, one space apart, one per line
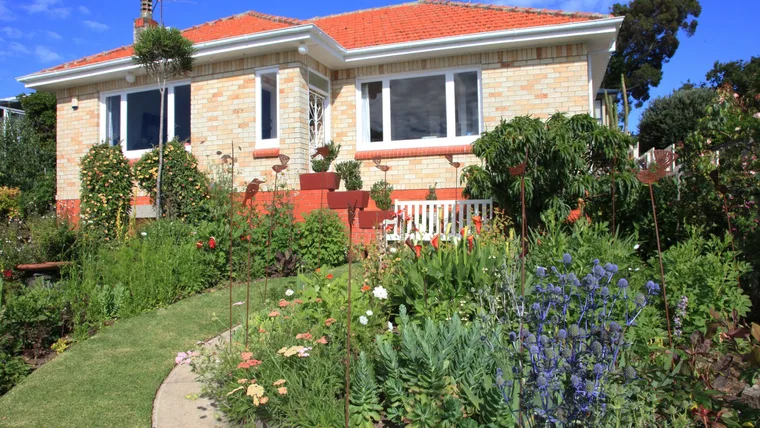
111 379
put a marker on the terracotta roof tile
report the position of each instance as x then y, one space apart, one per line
426 19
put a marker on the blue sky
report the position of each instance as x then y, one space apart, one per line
35 34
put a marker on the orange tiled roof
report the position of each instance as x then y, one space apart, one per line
426 19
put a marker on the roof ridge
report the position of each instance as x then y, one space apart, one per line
516 9
265 16
390 6
73 63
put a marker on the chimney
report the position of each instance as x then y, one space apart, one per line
146 18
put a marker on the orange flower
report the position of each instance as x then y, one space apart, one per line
263 400
282 390
366 288
478 222
274 314
434 241
261 330
462 231
470 242
245 356
318 300
318 270
330 321
417 249
305 336
248 364
329 276
322 340
283 303
279 382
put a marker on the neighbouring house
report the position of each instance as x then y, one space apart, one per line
10 107
407 84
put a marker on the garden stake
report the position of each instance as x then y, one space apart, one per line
384 169
277 169
456 166
614 164
323 151
250 194
351 215
663 159
232 208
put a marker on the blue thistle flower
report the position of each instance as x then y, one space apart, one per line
629 373
562 334
540 272
598 369
531 339
610 267
574 330
652 287
599 271
576 381
534 350
512 336
622 283
567 259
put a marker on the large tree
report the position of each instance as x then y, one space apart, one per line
669 120
648 39
743 77
165 54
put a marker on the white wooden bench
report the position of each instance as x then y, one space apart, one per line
434 217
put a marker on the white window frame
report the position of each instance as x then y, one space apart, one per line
270 143
328 103
136 154
451 138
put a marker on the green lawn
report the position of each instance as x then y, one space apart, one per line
110 380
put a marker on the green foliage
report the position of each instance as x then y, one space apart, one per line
106 191
164 52
184 187
9 202
743 77
322 239
365 395
431 195
12 370
36 240
40 110
323 163
381 194
32 319
648 39
669 120
435 373
568 159
350 173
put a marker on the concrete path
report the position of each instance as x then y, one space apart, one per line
172 408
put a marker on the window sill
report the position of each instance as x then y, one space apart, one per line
413 152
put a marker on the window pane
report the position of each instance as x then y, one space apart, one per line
318 82
113 120
268 119
372 100
182 113
143 116
466 102
418 108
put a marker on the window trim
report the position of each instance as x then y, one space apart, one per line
450 140
136 154
270 143
328 102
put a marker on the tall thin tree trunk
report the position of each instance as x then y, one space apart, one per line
161 91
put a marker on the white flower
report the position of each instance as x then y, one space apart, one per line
144 233
380 292
363 320
390 326
636 247
393 250
289 292
369 313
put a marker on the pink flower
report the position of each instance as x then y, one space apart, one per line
245 356
329 321
283 303
322 340
305 336
248 364
274 314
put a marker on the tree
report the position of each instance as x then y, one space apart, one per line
743 77
165 54
569 158
648 38
669 120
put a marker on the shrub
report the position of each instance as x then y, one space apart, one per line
381 194
33 319
669 120
322 239
106 191
36 240
184 189
12 370
9 202
350 173
323 164
431 195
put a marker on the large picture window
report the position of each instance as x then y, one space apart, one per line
419 110
132 118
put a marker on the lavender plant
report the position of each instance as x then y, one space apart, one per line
566 349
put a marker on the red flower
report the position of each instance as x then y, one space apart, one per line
478 223
318 269
246 238
389 228
212 242
365 288
434 241
8 274
470 241
417 249
329 276
199 245
462 231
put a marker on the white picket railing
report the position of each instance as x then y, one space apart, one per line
647 159
437 217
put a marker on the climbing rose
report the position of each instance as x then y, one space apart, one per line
212 242
199 245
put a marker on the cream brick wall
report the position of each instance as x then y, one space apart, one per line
538 81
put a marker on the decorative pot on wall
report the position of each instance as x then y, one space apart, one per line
319 180
374 218
341 200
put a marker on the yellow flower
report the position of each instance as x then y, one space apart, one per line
282 390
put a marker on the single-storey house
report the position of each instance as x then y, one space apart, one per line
408 84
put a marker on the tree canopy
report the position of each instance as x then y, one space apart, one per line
743 77
648 39
669 120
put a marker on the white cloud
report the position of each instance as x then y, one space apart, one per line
44 54
53 35
5 13
19 48
83 10
96 26
13 33
601 6
52 8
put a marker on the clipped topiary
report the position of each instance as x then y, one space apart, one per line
381 194
184 187
323 163
350 173
106 191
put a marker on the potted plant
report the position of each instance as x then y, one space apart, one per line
350 173
321 178
381 194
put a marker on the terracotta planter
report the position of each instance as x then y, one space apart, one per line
340 200
373 219
319 180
